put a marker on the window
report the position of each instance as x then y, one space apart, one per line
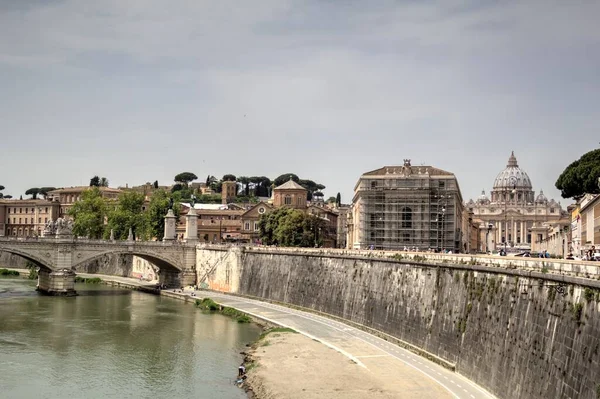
261 210
288 200
255 226
19 220
299 200
7 232
31 220
46 209
551 210
406 218
26 209
247 226
8 210
32 210
45 220
20 210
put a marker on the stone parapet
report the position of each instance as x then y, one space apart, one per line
563 267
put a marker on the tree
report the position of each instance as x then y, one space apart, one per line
44 191
33 192
95 181
228 178
89 214
156 184
244 182
331 200
290 227
156 212
176 187
263 187
103 182
338 199
185 178
8 196
1 188
127 215
581 176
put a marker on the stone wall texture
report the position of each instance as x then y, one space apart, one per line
517 333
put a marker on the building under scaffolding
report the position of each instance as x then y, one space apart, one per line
398 207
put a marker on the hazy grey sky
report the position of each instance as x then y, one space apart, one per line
141 90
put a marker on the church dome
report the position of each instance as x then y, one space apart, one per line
512 176
541 198
483 199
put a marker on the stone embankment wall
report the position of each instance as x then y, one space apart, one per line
517 331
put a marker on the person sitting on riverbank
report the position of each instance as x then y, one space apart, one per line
241 370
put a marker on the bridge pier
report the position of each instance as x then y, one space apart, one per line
57 283
177 279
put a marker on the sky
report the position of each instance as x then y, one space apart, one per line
139 91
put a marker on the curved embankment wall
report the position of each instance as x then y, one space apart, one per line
519 334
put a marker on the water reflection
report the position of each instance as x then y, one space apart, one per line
117 343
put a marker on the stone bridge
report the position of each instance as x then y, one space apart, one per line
59 259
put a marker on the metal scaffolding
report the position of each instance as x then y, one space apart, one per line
409 212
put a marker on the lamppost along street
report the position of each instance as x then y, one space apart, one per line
512 182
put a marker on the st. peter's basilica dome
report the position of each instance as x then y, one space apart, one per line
512 176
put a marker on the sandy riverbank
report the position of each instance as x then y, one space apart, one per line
292 366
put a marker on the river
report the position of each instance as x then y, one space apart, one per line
110 342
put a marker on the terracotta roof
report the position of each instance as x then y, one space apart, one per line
290 185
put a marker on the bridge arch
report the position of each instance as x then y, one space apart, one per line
162 262
37 260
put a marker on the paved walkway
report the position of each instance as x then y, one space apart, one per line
367 350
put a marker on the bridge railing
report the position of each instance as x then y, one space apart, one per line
82 240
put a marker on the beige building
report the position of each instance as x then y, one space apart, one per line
406 207
590 222
513 217
26 218
216 223
68 196
250 219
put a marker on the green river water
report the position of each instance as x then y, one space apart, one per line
114 343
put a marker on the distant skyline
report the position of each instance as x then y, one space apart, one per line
140 91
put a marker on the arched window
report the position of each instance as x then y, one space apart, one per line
288 200
406 218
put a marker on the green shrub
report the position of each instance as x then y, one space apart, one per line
211 306
6 272
207 304
588 294
90 280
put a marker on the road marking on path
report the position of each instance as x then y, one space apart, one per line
363 356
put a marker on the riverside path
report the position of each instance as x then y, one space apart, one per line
381 357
